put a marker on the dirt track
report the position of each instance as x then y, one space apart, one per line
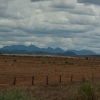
24 67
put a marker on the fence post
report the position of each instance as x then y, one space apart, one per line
83 79
92 77
46 80
71 78
60 79
33 80
14 81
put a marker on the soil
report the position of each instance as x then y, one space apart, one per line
58 69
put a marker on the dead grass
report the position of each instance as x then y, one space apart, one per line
50 92
24 67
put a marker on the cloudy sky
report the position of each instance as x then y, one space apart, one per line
68 24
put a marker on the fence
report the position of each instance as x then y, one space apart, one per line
34 80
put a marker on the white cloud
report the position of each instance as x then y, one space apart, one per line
56 23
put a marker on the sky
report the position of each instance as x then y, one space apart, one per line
68 24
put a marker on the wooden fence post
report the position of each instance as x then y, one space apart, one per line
71 78
83 79
46 80
60 79
92 77
33 80
14 81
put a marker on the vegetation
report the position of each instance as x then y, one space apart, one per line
5 60
16 94
75 91
86 91
43 62
66 62
86 58
24 67
15 60
71 63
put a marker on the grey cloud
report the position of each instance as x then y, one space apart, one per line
5 12
40 0
81 10
10 15
89 43
5 29
71 7
3 7
97 2
57 23
84 20
62 4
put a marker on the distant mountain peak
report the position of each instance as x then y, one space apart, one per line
34 49
82 52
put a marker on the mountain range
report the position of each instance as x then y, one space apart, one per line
32 49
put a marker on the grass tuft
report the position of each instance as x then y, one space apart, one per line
15 94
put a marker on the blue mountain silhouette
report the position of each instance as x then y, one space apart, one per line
32 49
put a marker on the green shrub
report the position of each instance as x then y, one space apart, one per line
86 91
14 95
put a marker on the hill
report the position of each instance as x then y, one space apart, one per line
32 49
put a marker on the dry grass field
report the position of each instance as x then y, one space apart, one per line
23 67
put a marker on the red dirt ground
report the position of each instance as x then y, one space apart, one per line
23 67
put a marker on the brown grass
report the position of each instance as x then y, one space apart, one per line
24 67
43 92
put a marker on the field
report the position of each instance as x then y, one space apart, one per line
55 77
24 67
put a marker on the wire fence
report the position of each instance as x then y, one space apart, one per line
46 80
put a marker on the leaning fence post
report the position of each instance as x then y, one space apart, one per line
14 81
33 80
60 79
46 80
71 78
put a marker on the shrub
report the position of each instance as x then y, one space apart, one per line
66 62
15 60
14 95
43 62
87 92
87 58
71 63
54 62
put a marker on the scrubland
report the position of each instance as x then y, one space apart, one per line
76 74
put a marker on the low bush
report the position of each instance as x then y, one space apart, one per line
16 94
86 91
66 62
